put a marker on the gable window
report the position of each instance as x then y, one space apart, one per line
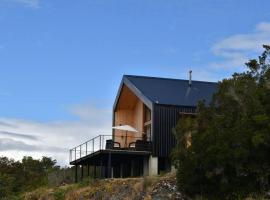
147 114
147 123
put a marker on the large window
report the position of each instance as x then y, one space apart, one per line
147 114
147 123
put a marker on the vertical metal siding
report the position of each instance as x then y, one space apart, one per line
165 118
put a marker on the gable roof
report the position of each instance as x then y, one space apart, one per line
168 91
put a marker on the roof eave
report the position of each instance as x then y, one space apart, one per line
135 90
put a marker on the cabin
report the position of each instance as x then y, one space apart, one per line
145 111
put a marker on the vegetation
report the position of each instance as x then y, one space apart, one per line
223 152
17 177
147 188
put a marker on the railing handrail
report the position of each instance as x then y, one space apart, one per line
89 141
101 136
96 144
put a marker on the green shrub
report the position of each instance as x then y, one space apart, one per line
59 194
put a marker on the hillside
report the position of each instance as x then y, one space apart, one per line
162 187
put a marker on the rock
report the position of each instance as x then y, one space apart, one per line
267 195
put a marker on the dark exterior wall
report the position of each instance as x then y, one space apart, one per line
164 120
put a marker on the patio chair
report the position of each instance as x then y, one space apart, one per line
110 144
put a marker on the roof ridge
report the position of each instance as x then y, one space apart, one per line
164 78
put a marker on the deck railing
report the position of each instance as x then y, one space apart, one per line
100 142
95 144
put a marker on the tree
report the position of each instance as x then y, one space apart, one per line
17 177
230 138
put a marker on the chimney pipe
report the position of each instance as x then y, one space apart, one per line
190 78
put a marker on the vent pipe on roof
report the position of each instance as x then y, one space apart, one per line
190 78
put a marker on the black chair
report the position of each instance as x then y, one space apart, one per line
132 145
110 144
141 145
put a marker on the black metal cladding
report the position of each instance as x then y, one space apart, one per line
165 119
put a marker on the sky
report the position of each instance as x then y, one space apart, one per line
61 61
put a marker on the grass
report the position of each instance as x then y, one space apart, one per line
99 189
127 188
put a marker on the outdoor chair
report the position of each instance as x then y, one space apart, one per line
132 145
110 144
141 145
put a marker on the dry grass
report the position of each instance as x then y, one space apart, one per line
107 189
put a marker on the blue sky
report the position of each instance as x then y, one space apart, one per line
61 61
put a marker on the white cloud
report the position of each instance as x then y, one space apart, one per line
7 144
238 49
89 112
18 135
29 3
53 138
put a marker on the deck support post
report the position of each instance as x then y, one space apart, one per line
109 165
112 172
145 166
81 172
88 170
131 168
121 170
76 173
153 166
101 169
95 171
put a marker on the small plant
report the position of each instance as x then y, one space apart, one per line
59 194
85 182
148 182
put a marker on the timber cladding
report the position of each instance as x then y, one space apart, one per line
165 119
129 111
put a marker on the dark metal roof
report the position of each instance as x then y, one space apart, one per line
172 91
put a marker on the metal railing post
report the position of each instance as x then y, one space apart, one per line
80 151
86 149
102 144
101 139
99 142
93 145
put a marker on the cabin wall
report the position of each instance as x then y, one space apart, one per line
138 117
132 117
123 117
165 119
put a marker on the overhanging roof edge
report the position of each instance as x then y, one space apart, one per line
118 94
135 90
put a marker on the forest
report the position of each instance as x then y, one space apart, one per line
17 177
